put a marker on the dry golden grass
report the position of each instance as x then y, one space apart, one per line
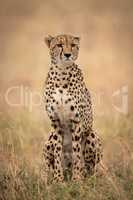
20 148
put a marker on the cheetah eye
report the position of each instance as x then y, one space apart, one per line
59 45
73 45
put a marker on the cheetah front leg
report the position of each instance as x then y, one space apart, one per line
47 158
93 151
77 153
58 152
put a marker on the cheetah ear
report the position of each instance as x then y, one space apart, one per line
77 38
48 40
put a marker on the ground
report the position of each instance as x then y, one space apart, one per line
20 140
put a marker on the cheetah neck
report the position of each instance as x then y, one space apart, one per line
62 65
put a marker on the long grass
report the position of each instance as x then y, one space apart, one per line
21 136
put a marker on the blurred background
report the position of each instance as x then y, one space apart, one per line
105 28
106 59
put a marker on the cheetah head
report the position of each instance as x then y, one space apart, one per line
63 48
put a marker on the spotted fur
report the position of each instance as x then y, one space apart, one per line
73 145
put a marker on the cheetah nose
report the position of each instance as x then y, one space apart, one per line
67 55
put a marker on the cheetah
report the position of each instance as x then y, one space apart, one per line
73 145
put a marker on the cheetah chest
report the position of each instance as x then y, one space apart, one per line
64 104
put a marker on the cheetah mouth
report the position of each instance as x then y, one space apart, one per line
67 59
